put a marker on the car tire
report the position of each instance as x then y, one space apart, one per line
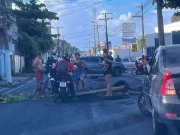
141 105
158 128
117 72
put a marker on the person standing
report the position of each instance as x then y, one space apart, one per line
118 59
69 67
78 75
48 67
108 71
38 68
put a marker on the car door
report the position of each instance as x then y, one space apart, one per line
127 62
149 79
96 67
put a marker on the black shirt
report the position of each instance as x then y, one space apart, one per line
109 68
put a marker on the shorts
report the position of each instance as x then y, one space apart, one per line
78 75
108 72
39 76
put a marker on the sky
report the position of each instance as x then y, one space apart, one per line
76 17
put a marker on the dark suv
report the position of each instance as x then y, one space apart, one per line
161 90
94 67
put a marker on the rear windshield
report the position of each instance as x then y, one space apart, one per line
172 57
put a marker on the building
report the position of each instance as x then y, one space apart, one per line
9 37
172 36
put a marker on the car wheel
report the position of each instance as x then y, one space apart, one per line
117 72
158 128
142 105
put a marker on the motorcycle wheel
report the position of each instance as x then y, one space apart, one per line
63 94
142 106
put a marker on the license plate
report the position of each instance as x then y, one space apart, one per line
62 84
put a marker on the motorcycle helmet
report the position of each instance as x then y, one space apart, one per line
50 58
66 57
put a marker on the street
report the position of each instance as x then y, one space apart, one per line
91 84
88 116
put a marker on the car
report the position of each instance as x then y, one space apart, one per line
94 67
160 96
129 62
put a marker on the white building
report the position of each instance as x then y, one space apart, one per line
172 36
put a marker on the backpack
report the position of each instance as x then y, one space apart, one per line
62 68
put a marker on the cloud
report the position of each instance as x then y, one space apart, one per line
76 16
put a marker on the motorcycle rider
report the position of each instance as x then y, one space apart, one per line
48 67
69 67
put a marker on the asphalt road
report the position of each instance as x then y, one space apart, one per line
88 116
91 84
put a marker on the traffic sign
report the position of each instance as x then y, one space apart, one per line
134 47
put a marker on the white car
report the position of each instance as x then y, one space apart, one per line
129 62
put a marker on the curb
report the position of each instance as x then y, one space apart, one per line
14 85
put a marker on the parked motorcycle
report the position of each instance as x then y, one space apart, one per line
141 69
63 90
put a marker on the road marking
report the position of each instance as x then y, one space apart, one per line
16 88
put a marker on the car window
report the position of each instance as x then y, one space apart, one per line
126 60
95 59
154 63
132 59
172 57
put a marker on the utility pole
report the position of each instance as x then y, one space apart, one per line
94 19
160 23
106 19
98 38
58 38
3 10
63 44
143 35
89 46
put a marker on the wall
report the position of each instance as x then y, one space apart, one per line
2 65
19 63
126 53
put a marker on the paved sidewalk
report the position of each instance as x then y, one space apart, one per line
17 81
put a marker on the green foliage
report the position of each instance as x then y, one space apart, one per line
14 98
174 4
140 42
20 97
33 32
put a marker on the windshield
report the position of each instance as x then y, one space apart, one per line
172 57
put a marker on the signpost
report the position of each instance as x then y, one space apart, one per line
128 33
134 47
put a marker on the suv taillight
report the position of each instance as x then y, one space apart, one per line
167 87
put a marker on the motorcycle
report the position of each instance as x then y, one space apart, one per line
63 89
141 69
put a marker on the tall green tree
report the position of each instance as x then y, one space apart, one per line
33 34
174 4
140 42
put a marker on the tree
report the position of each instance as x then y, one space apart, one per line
173 4
140 42
33 33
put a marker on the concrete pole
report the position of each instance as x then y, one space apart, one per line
160 23
7 53
143 39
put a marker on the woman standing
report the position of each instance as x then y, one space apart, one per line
78 73
108 71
